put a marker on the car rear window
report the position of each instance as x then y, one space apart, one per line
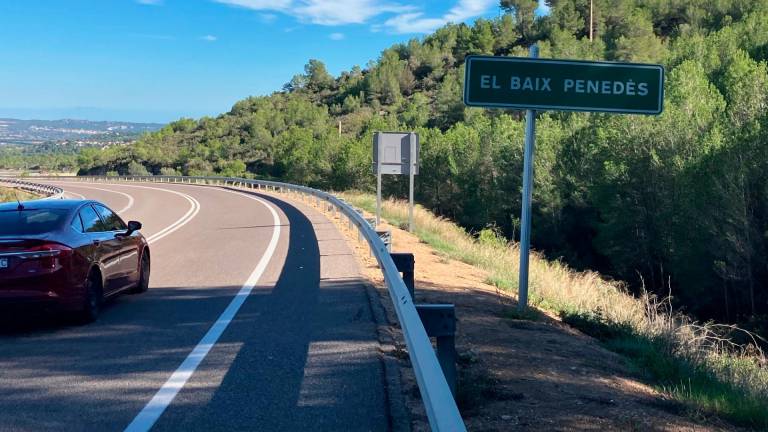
27 222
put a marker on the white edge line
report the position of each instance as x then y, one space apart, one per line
74 194
130 197
123 210
156 406
188 216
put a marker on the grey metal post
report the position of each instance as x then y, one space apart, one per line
439 321
378 193
411 170
406 264
525 220
446 356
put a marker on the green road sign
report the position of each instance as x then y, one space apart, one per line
569 85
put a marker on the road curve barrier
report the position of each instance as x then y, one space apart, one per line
436 395
47 191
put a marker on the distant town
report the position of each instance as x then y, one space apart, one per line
79 133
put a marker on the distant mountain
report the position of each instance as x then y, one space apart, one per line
13 131
133 115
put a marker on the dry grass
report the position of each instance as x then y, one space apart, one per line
552 284
10 194
694 363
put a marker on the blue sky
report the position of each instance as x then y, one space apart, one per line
158 60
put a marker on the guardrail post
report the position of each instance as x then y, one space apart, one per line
440 322
406 265
386 237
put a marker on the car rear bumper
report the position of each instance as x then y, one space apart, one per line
44 290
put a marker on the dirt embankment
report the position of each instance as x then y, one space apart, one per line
528 375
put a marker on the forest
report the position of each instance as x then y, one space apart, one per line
674 204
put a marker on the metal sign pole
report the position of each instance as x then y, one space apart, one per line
411 172
525 229
565 85
378 193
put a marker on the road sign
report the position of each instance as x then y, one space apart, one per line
392 152
567 85
395 153
563 85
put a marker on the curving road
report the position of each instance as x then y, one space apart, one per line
256 319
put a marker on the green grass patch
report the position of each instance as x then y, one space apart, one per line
501 282
695 385
529 314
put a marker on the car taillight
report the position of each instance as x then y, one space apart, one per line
48 255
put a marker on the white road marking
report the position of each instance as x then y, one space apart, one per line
75 194
156 406
122 210
188 216
194 209
191 213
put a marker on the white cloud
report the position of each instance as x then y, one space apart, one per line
466 9
413 23
324 12
337 12
267 18
401 18
416 22
258 4
336 36
209 38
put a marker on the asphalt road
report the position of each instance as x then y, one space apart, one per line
255 320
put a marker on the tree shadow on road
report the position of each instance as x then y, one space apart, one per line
302 355
307 355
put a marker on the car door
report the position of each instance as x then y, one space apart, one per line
128 246
106 248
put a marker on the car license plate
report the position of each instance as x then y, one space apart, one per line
3 263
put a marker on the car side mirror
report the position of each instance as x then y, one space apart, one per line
133 226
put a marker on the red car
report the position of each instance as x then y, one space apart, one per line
71 254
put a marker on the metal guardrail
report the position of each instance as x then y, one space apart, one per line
436 394
50 192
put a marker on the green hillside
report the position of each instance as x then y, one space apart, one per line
677 202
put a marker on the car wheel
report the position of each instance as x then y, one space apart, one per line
92 300
143 285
